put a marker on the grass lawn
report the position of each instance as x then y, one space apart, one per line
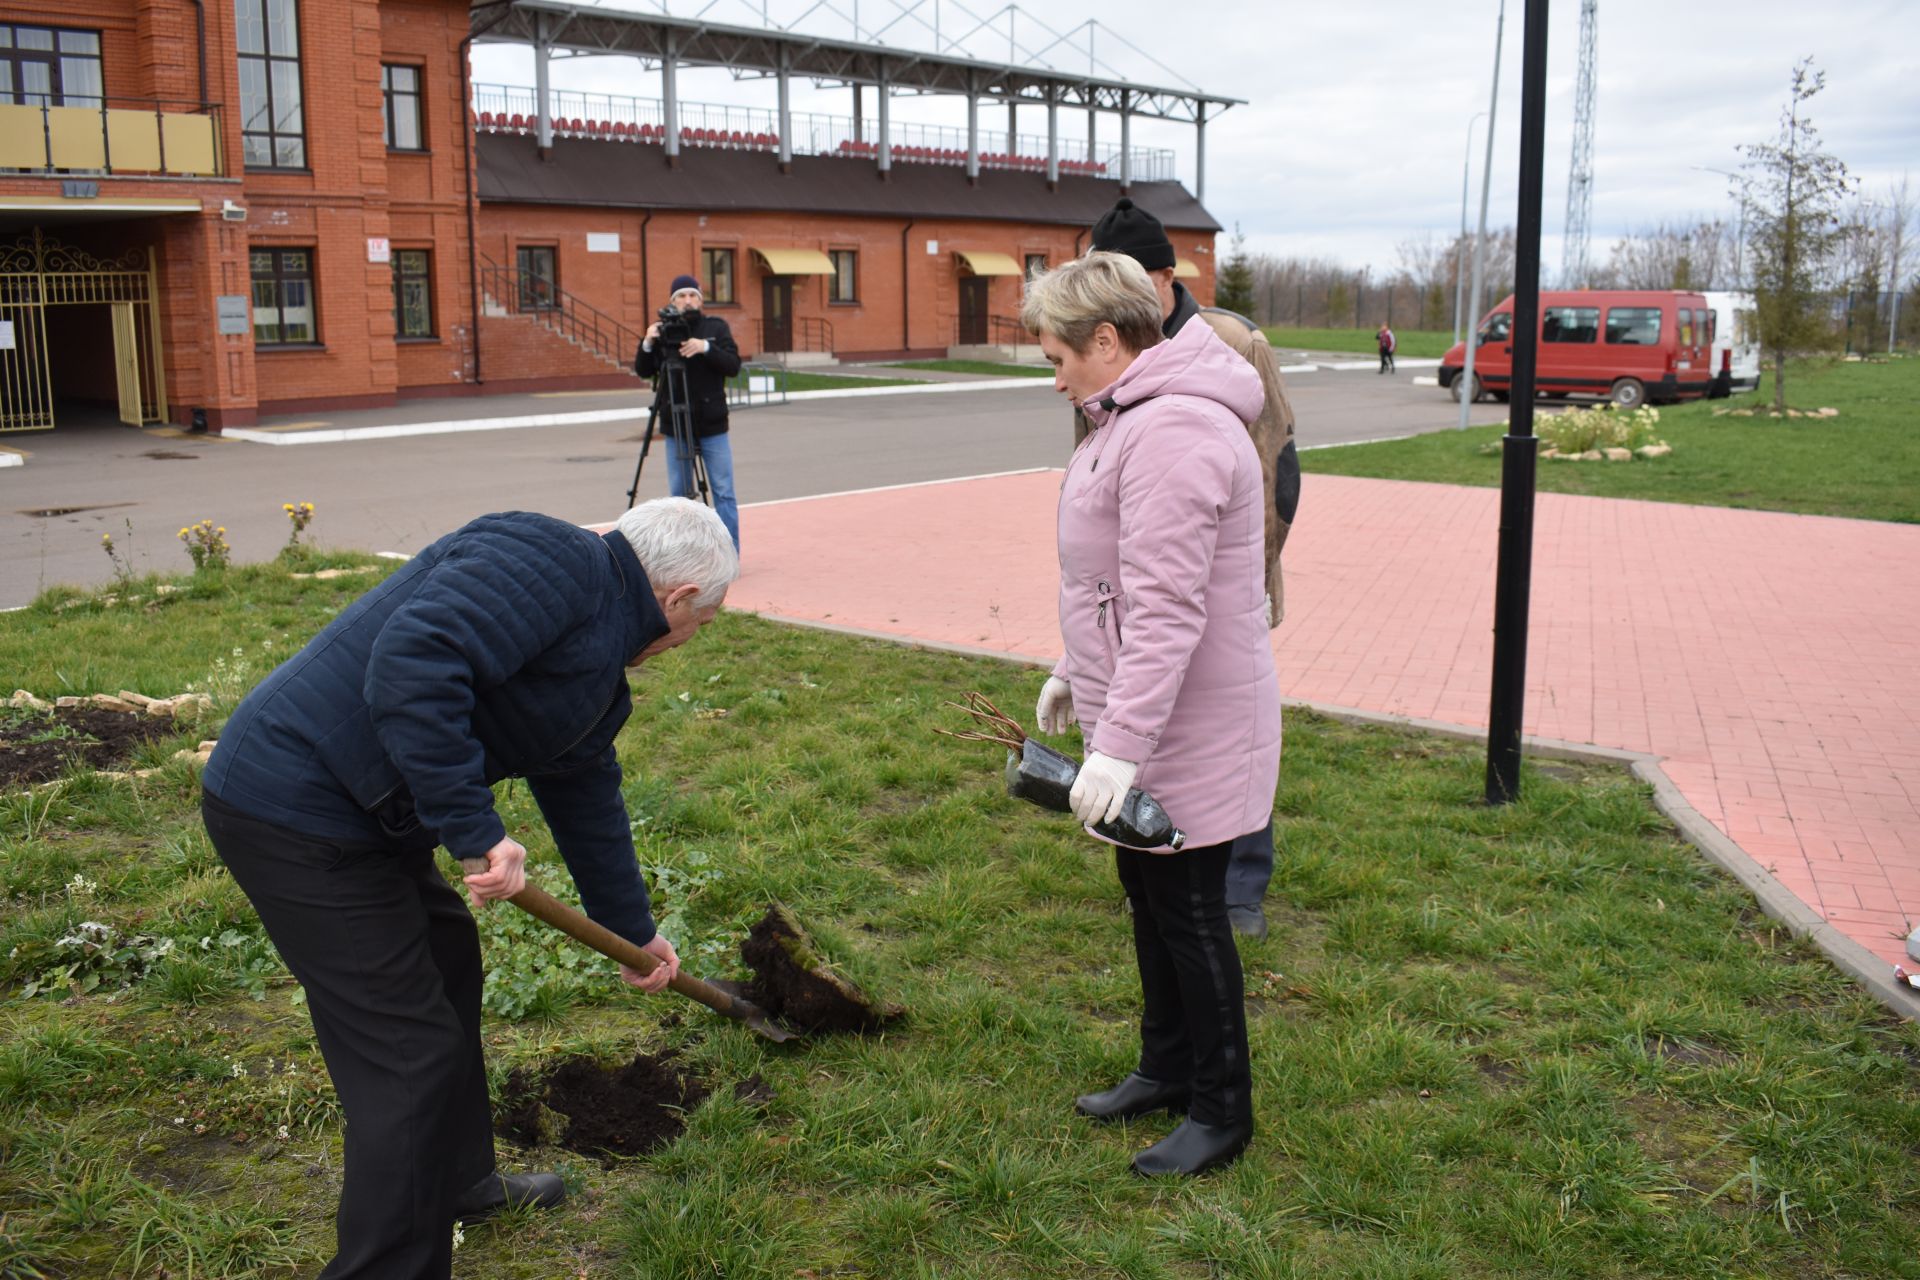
803 381
1865 463
1544 1040
992 368
1416 343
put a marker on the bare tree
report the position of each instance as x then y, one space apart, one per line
1794 185
1671 256
1901 208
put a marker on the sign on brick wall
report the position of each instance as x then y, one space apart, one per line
379 249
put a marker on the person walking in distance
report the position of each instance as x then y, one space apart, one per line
1384 337
1133 231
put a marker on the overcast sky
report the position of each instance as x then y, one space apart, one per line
1355 124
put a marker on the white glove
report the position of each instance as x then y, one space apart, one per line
1054 712
1099 789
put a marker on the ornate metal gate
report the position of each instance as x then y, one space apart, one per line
37 273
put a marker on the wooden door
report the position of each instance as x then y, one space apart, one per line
973 310
776 316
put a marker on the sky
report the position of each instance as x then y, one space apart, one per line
1355 124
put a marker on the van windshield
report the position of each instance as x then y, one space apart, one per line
1498 326
1633 326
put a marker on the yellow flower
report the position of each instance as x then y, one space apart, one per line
286 506
221 529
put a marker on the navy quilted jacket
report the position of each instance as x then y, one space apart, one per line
500 651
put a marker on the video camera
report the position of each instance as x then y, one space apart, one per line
674 328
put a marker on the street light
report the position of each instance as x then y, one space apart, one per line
1739 236
1460 245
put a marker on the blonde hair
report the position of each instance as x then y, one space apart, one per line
1078 297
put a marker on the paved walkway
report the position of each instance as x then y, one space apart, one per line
1772 660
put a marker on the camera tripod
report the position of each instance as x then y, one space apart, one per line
670 388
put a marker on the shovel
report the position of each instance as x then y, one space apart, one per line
542 905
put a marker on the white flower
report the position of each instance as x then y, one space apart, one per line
80 886
281 1133
238 1070
459 1235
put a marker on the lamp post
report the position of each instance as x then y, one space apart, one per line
1466 375
1460 245
1739 236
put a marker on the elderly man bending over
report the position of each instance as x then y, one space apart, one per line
500 651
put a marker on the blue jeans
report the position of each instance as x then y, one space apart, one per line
1249 868
717 454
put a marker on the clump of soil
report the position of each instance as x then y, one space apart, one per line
600 1111
37 747
794 984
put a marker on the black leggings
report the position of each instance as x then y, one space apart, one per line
1193 1028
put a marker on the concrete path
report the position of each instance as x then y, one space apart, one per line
1770 659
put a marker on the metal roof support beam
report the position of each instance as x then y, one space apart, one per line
858 111
1013 127
1093 130
542 96
670 102
786 110
886 131
1126 142
973 131
1200 154
1053 138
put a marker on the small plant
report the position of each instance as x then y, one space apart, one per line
94 957
1605 427
207 544
300 515
122 568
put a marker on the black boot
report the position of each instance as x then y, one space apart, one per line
1194 1148
1132 1098
498 1192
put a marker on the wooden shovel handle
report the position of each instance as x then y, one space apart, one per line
543 906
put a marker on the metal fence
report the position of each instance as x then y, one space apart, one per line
502 108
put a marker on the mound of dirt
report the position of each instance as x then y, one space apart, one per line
37 747
794 984
600 1111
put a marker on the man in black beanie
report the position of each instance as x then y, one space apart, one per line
1129 229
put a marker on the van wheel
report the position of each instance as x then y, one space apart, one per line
1629 393
1459 387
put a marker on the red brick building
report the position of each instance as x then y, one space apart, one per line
260 206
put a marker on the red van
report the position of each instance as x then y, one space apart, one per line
1631 346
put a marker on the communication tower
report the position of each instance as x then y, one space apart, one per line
1573 265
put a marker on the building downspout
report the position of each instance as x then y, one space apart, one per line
1077 250
473 180
906 316
646 303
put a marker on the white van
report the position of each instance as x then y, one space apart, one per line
1736 344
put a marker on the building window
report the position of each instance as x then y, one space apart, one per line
842 285
272 124
283 310
45 67
1036 265
400 108
412 293
716 265
539 276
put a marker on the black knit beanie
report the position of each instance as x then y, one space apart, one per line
1135 232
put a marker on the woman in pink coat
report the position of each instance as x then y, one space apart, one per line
1167 668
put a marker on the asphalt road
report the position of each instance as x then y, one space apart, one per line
81 481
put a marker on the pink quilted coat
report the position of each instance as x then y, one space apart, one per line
1163 587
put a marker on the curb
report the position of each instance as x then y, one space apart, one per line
1774 898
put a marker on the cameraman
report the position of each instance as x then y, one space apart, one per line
711 359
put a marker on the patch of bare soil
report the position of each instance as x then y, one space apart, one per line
37 747
601 1111
793 984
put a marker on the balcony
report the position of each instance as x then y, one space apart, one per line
502 108
120 136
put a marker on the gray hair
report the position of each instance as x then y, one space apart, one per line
1076 298
680 541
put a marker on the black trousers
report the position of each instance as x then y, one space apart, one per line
1193 1028
390 960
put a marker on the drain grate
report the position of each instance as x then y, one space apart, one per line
171 455
49 512
591 457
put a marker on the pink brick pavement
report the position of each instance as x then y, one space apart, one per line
1770 659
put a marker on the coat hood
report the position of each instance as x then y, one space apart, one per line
1194 362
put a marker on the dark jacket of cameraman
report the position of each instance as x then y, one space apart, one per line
707 373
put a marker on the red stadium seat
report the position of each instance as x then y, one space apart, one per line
518 123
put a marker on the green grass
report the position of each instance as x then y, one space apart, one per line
1542 1040
1410 342
992 368
802 381
1864 464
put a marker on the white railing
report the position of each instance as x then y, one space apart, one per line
614 117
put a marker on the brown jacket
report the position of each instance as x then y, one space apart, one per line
1272 431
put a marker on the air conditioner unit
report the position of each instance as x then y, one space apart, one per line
232 212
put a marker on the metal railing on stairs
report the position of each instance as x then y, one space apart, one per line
1005 331
509 291
804 333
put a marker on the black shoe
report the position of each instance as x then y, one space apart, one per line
1248 922
1194 1148
1132 1098
498 1192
